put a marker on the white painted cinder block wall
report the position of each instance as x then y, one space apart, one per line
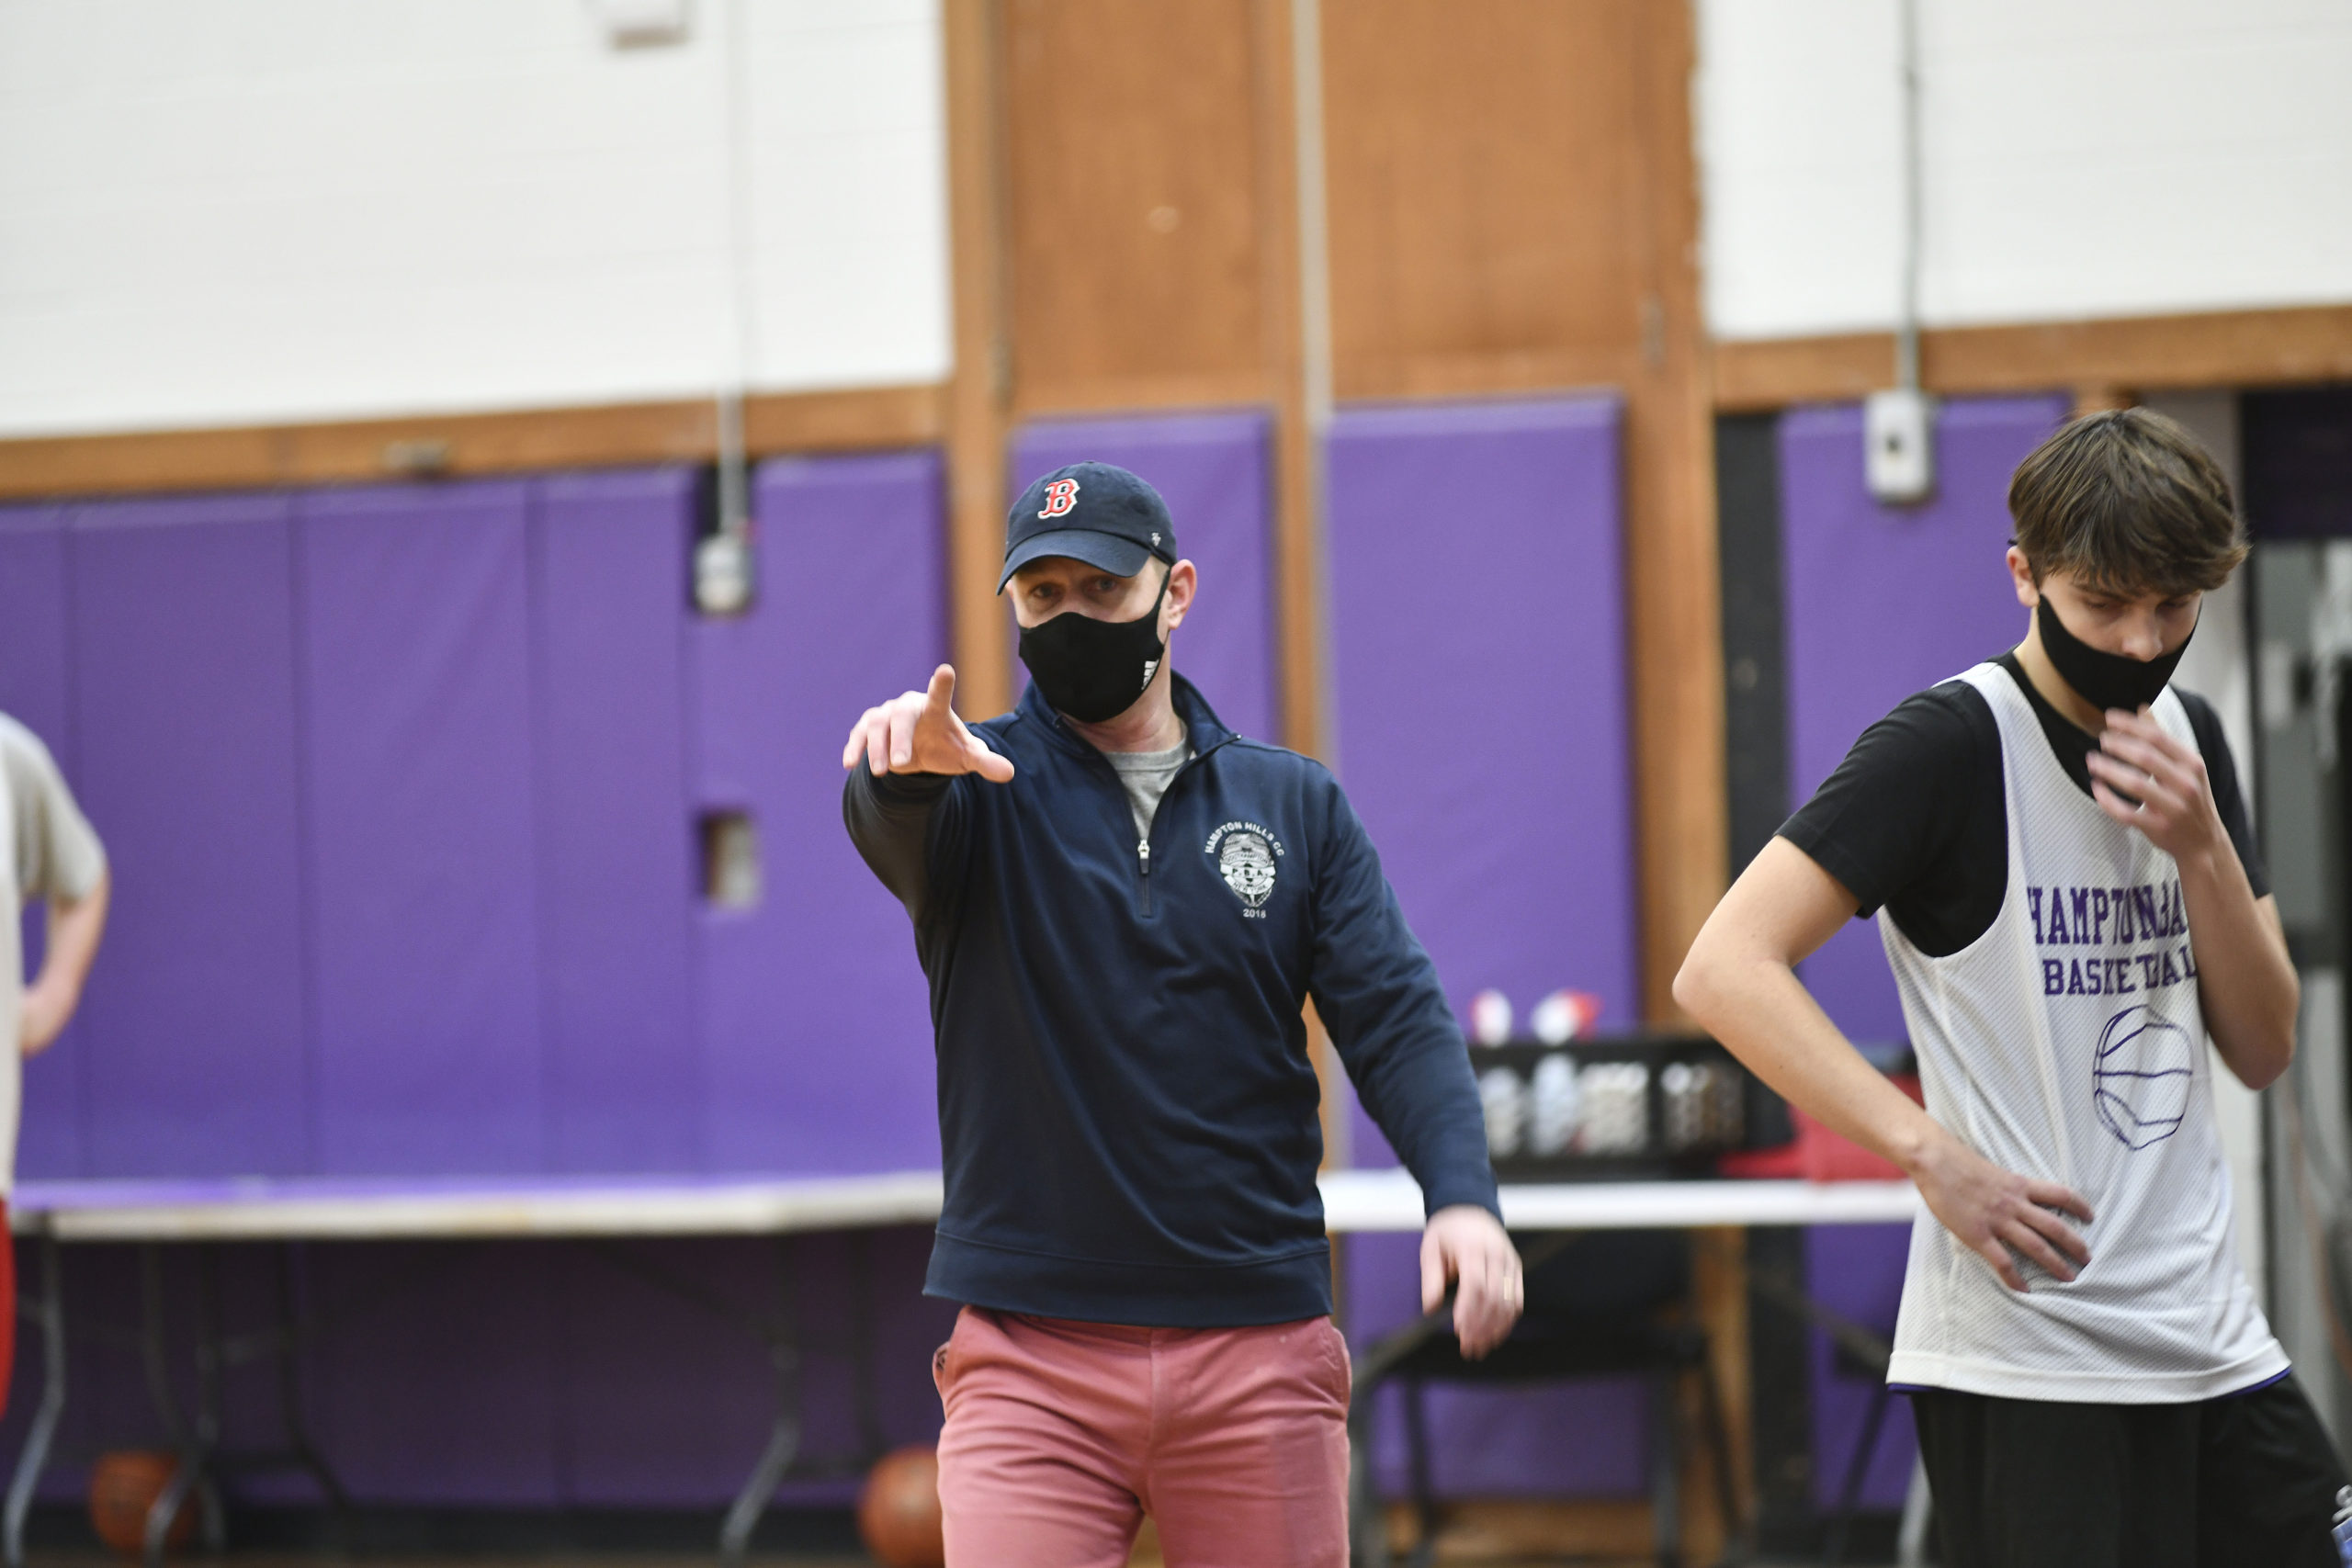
222 211
215 211
2083 158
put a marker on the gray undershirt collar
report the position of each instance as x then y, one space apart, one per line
1147 775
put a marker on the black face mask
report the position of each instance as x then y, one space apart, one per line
1090 669
2101 679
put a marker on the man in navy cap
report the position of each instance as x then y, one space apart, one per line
1123 909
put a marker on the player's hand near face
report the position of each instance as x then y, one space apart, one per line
2137 761
918 732
2145 779
1465 1246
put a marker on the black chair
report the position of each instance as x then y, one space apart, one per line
1598 1306
1857 1351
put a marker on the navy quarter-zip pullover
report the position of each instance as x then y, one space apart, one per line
1128 1114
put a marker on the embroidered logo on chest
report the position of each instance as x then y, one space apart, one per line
1249 857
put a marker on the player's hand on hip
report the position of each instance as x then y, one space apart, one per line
918 732
1465 1246
2145 779
2000 1215
41 1019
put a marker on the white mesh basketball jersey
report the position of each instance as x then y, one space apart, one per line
2067 1043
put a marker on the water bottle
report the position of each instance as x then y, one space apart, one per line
2344 1526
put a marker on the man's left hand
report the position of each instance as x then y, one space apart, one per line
1465 1246
2145 779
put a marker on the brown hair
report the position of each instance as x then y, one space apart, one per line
2127 501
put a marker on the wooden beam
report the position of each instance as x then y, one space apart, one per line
1504 372
853 419
980 391
2217 348
1044 395
1674 596
1132 141
1298 530
1672 588
460 445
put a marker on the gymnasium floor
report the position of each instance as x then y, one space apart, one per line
94 1559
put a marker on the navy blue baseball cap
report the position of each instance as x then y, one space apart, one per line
1097 512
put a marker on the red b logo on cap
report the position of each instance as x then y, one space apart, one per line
1061 496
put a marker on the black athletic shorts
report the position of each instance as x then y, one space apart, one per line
2246 1481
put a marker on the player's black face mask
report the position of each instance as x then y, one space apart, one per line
2101 679
1090 670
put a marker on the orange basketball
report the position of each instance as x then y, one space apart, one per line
898 1511
124 1484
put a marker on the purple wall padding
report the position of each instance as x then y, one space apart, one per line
667 1405
421 845
1584 1439
2297 457
616 829
35 690
1483 739
663 1401
1857 1270
817 1022
517 1374
1215 472
186 757
450 1392
34 623
1882 602
1485 743
434 743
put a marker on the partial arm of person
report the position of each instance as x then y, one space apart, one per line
1739 981
2246 981
60 860
75 927
902 758
1377 994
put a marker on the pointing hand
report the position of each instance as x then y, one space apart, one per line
918 732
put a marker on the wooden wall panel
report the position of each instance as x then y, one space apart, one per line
1513 200
458 445
1134 145
1488 222
2135 354
979 388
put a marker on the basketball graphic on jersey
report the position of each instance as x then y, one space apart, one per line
2142 1076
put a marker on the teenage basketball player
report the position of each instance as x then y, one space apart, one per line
2058 854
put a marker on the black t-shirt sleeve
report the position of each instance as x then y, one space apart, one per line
2229 797
1888 818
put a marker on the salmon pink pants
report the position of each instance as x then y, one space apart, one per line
1062 1436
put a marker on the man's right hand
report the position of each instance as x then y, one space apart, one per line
918 732
2000 1215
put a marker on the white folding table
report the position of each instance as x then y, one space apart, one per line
1391 1201
152 1212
